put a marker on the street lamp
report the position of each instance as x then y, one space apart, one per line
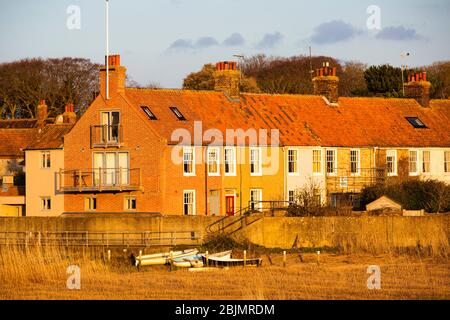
404 66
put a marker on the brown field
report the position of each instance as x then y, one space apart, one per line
41 274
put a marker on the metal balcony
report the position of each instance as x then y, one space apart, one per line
99 180
106 136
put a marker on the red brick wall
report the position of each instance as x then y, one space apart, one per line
162 180
144 147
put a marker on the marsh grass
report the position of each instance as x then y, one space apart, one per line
40 273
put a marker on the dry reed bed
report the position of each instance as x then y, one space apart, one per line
41 274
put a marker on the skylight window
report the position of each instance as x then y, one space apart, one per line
149 113
177 113
416 122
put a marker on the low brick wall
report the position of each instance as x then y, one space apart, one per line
348 233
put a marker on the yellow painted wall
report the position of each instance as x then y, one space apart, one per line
10 210
271 182
41 182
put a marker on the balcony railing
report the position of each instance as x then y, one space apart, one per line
343 180
106 136
99 180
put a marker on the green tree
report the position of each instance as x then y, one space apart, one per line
204 80
384 81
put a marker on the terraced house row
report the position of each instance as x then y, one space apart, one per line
221 152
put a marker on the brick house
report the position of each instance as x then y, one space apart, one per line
172 151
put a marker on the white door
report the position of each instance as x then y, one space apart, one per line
98 165
123 168
110 168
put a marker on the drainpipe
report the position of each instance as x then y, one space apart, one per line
284 174
206 180
240 177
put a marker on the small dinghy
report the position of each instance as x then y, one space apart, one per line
227 261
188 262
162 258
196 261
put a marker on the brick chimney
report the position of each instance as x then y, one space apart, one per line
69 116
418 88
227 78
117 76
326 83
41 113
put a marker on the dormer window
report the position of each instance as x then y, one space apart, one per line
177 113
416 122
149 113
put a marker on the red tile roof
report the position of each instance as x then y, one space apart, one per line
18 123
302 120
50 137
14 141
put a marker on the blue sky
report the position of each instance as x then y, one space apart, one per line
163 40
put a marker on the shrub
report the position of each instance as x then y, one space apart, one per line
430 195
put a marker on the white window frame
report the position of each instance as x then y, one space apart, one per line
193 202
189 174
335 166
258 206
46 203
109 133
358 163
320 173
395 163
127 203
233 161
423 161
297 164
413 173
259 172
104 170
289 196
209 151
448 162
46 160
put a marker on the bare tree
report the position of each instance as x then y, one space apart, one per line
307 200
23 83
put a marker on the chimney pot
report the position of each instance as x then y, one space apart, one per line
418 88
117 75
327 83
41 113
227 78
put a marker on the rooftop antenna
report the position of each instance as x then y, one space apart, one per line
404 66
107 49
241 59
311 71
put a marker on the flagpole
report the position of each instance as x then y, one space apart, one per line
107 49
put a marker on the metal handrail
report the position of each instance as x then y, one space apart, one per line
99 179
106 135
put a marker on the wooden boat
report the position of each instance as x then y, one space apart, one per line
227 261
187 262
162 258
